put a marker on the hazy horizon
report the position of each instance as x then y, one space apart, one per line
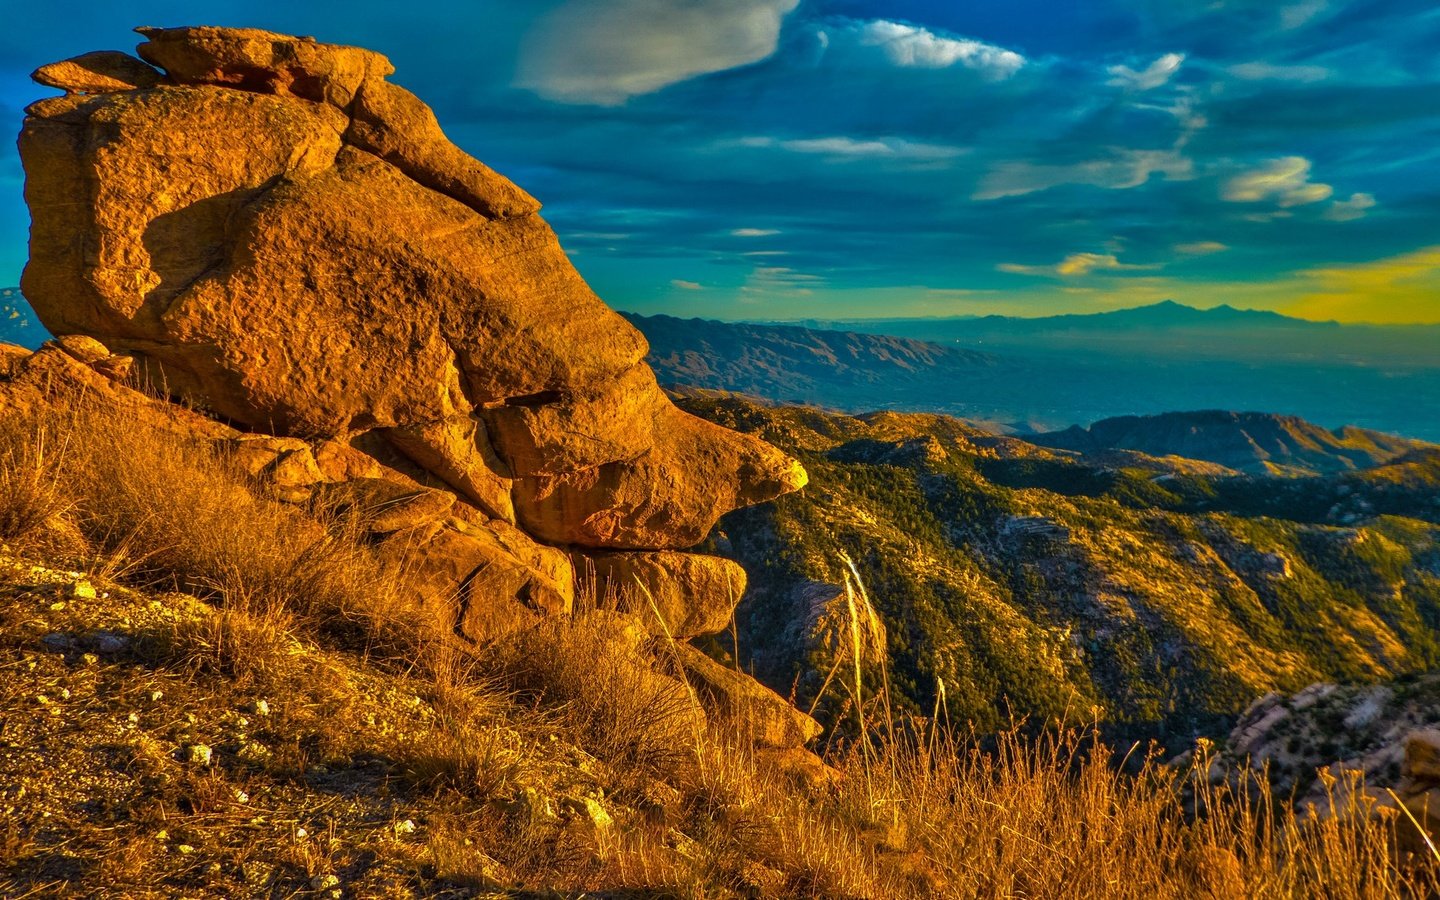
1049 315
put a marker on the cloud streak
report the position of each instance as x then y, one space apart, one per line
1122 170
848 148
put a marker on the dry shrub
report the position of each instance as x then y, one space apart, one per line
30 497
254 650
488 849
479 761
591 674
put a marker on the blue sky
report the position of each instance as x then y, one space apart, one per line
837 158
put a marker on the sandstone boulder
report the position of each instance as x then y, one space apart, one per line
667 497
398 127
277 235
100 72
492 580
382 506
1422 757
255 60
53 381
691 594
129 203
581 429
458 452
254 454
757 711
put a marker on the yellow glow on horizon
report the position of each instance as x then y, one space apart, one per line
1396 290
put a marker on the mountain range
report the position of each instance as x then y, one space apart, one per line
794 364
1047 374
1253 443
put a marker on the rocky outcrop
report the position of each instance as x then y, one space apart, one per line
771 722
373 323
100 72
679 594
301 187
1332 747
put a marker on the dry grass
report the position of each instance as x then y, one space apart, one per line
591 674
521 743
30 495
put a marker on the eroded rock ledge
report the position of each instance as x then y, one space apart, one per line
264 227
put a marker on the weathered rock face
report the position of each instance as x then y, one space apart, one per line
100 72
263 225
274 230
770 721
679 594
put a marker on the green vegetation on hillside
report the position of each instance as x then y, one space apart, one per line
1033 583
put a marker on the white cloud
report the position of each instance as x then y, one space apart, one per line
1354 208
842 148
686 285
606 51
916 47
1286 181
1263 71
1077 265
1124 169
1201 248
754 232
1152 76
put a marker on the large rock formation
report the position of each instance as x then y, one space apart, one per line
263 226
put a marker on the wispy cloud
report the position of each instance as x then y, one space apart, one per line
1286 181
780 281
1296 14
686 285
753 232
1263 71
606 51
1123 169
1076 265
1201 248
913 46
842 148
1152 76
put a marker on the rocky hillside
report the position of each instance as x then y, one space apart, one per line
792 364
1253 443
1030 581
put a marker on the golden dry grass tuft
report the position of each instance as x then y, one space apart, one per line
399 763
30 495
